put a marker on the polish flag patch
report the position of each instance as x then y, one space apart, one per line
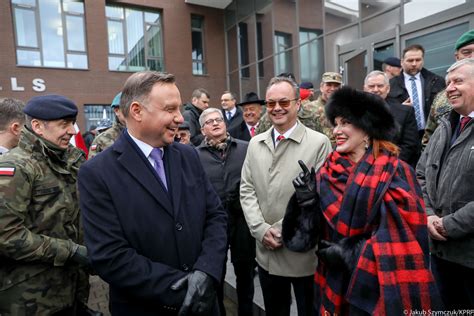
4 171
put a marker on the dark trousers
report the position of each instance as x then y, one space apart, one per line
277 293
245 273
455 283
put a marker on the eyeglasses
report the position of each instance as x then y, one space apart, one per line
284 103
211 121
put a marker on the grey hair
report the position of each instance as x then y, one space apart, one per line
139 85
199 92
377 73
462 62
276 80
206 112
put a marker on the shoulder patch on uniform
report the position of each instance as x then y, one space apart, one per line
7 171
93 147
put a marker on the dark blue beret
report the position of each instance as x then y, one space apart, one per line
393 61
50 107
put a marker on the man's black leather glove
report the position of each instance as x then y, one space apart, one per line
305 186
200 296
80 256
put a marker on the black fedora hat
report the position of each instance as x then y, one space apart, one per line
251 98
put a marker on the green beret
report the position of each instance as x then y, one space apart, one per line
51 107
465 39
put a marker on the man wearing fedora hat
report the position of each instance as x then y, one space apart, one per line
252 111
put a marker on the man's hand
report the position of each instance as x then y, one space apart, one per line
80 256
407 102
436 228
272 239
200 295
305 184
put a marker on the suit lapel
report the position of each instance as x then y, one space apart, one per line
136 164
173 172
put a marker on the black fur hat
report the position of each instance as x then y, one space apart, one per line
366 111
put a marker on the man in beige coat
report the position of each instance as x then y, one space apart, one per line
266 187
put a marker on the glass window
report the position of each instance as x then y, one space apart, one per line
439 47
49 32
261 69
310 55
381 53
197 53
418 9
135 39
244 49
93 113
283 56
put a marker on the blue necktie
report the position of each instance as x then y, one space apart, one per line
157 156
420 122
229 115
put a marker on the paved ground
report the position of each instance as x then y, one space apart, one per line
99 295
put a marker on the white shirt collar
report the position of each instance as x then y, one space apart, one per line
144 147
285 135
232 112
3 150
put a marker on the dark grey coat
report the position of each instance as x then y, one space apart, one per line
446 173
224 174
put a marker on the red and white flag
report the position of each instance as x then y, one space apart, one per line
78 141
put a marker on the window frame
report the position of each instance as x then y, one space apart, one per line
39 38
202 62
126 55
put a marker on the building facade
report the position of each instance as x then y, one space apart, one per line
85 49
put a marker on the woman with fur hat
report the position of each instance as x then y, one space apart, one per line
365 209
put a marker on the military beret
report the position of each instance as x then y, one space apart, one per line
50 107
393 61
306 85
465 39
116 101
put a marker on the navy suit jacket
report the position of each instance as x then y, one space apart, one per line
240 132
140 238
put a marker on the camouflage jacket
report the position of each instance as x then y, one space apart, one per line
106 139
440 108
307 117
39 228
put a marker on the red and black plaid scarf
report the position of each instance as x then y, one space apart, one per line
382 199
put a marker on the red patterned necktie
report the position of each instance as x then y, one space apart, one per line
464 122
252 131
280 137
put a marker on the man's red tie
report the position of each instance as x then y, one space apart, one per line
280 137
252 131
464 122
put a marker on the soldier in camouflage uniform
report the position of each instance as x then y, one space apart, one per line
440 108
464 49
41 252
312 113
107 138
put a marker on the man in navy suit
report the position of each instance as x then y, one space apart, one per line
154 227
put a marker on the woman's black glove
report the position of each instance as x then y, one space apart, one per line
200 295
305 186
342 255
300 228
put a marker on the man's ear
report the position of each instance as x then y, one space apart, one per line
37 126
136 111
202 132
15 128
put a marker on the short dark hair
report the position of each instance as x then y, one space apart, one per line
199 92
414 47
232 94
11 110
139 85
